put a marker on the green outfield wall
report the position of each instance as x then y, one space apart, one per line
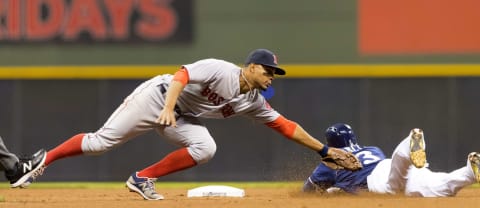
300 32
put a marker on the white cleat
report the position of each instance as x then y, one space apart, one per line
417 148
474 159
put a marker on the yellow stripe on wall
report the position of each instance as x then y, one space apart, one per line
84 72
400 70
293 71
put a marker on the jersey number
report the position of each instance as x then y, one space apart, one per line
367 157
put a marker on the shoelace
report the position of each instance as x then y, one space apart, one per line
25 158
149 185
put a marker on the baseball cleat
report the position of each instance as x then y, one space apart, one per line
417 148
474 159
27 169
143 186
34 176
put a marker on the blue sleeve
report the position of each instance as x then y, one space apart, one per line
323 177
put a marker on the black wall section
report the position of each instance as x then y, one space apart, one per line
44 113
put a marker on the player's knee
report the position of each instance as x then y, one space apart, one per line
202 153
93 144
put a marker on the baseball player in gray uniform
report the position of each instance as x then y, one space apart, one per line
19 170
172 104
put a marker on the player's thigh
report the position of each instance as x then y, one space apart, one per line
129 120
378 179
122 126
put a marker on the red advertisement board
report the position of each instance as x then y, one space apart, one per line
419 26
26 21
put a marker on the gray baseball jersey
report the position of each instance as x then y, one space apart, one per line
213 91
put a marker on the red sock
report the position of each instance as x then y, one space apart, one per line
71 147
175 161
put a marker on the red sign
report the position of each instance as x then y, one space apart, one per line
419 26
96 20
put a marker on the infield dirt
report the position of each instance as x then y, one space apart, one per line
255 197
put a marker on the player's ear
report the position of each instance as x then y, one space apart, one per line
254 67
250 67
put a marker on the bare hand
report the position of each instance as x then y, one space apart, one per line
167 118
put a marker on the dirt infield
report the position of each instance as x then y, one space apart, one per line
255 197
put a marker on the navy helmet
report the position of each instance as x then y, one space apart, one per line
341 135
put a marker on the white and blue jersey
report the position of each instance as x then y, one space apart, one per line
324 177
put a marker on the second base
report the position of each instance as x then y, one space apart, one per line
216 191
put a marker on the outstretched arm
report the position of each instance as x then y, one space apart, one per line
296 133
302 137
293 131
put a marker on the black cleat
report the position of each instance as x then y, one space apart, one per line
25 169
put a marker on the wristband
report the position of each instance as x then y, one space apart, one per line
324 151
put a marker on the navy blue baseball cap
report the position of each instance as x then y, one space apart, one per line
266 58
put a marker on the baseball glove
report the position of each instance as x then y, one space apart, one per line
339 159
